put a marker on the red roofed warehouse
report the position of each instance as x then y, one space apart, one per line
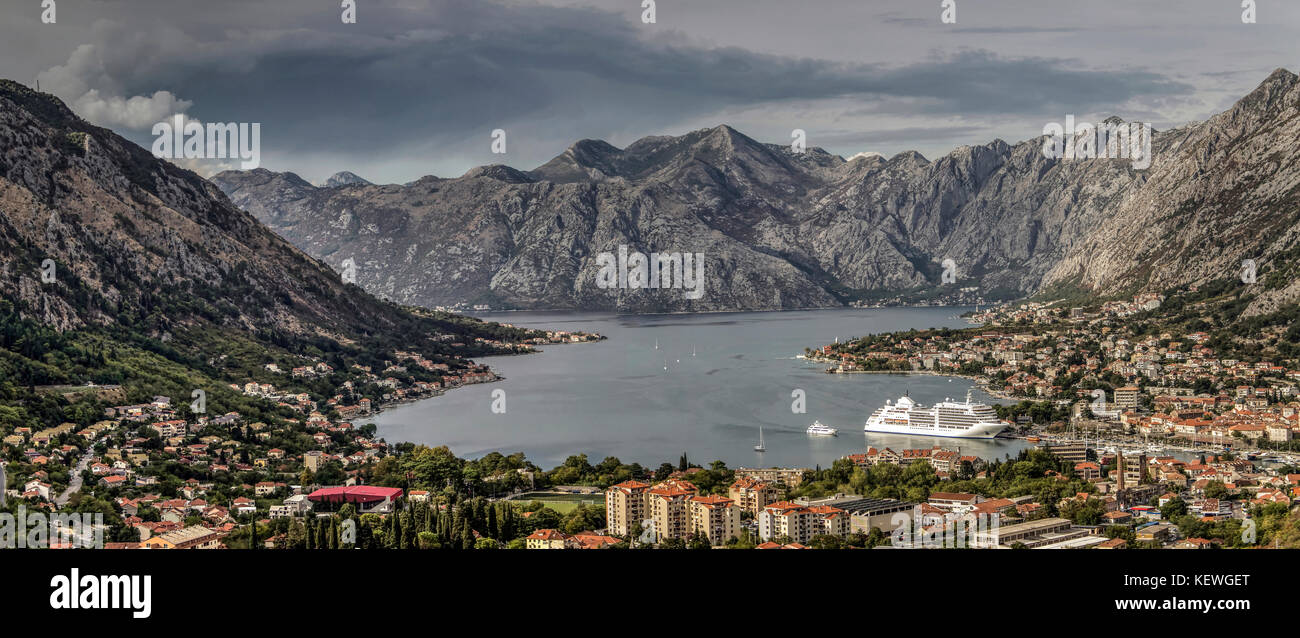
367 498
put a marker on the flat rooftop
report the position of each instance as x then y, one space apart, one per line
1032 526
1082 542
868 505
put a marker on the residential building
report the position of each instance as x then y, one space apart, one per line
752 495
1126 398
193 537
625 505
667 509
546 539
715 517
791 477
800 522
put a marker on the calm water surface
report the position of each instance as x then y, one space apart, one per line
624 397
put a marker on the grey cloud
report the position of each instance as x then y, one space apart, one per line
416 87
907 134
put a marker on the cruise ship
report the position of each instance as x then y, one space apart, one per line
817 429
949 418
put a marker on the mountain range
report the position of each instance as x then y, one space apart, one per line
781 229
105 249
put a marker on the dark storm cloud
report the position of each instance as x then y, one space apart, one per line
430 80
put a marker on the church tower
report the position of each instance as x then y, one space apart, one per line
1119 477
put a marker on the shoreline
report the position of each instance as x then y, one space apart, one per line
372 417
379 409
617 313
979 383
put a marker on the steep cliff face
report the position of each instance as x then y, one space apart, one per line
781 230
1219 192
130 241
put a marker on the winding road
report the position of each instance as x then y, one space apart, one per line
75 483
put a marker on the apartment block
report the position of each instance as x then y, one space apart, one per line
790 476
675 508
1126 397
715 517
752 495
667 506
625 505
801 522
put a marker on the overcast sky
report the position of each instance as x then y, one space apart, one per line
416 87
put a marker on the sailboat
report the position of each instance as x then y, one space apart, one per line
656 344
760 447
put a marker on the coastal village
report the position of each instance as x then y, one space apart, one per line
181 480
1128 503
1176 445
185 478
1172 386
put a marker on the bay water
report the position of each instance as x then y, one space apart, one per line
665 385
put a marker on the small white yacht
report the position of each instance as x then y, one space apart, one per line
817 429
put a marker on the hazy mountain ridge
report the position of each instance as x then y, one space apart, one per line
783 230
138 243
344 178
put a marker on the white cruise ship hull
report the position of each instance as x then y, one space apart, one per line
978 431
948 419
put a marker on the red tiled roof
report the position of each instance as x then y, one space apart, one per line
355 494
547 535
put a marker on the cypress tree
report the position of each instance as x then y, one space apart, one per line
466 537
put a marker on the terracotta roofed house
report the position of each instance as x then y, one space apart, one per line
546 539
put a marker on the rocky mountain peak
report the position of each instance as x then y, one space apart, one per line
500 173
344 178
783 230
585 160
